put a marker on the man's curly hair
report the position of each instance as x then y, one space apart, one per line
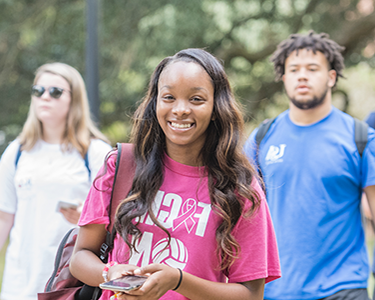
311 41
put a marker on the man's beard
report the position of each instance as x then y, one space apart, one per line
312 103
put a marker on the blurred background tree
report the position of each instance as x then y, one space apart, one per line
135 35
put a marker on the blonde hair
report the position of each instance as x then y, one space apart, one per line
79 129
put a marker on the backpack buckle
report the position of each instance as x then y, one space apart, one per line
103 251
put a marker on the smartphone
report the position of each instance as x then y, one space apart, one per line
124 284
66 205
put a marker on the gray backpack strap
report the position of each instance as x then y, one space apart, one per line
262 130
360 135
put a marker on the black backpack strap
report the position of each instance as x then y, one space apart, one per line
360 135
106 247
262 130
118 161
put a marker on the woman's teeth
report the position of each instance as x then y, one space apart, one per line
181 125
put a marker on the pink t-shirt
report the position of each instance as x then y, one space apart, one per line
182 205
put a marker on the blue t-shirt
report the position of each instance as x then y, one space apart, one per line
314 178
370 119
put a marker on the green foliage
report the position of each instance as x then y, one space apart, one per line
135 35
118 132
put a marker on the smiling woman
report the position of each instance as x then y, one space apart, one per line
184 110
196 220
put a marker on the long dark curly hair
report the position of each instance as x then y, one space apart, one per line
229 172
312 41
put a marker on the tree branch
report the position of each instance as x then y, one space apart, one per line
352 33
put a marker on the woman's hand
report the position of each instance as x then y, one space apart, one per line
118 271
162 278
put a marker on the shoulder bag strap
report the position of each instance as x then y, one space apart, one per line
122 183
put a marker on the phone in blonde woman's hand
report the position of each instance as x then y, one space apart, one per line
66 205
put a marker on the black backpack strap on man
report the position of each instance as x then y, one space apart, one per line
360 137
62 284
360 134
262 131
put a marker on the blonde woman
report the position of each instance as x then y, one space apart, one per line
45 175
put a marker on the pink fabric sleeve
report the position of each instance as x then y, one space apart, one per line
95 209
259 254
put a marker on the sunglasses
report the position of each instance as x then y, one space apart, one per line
54 92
